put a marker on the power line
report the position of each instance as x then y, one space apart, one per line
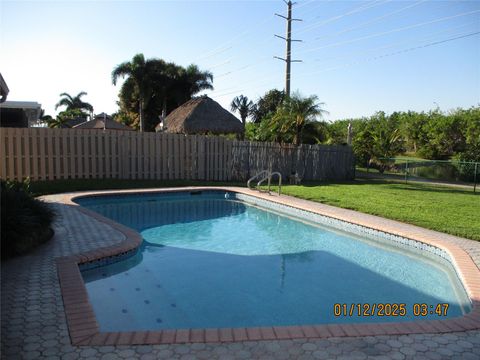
383 33
272 76
222 48
372 21
391 31
226 45
241 87
390 45
361 8
395 53
338 17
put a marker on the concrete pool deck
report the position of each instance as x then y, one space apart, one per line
34 316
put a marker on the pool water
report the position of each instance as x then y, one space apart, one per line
207 261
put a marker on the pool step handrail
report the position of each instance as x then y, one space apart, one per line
261 181
256 176
279 181
267 175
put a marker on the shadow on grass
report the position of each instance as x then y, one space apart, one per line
394 185
71 185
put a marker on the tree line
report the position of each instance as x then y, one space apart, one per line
154 87
434 134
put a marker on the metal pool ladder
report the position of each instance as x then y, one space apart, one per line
266 175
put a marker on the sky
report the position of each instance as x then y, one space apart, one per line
358 57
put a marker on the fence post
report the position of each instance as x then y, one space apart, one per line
475 178
406 172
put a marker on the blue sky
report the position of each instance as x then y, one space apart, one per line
358 56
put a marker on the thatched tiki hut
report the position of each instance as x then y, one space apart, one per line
202 116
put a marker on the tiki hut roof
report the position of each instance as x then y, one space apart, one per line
102 122
200 116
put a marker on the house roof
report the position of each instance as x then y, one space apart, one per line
19 113
102 122
26 105
202 115
3 89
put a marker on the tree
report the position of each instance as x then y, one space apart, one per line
75 103
268 104
245 107
289 120
138 73
295 112
315 132
156 87
191 81
63 117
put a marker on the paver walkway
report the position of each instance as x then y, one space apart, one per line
33 323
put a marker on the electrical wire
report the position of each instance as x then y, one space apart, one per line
355 10
241 87
226 45
372 35
390 45
372 21
394 53
341 16
390 31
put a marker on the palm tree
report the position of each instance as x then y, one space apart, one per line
245 107
154 86
295 112
58 122
74 102
138 72
190 81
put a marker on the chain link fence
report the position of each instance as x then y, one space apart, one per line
464 173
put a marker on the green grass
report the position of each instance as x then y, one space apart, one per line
440 208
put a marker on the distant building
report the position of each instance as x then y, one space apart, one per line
70 123
3 89
103 122
20 114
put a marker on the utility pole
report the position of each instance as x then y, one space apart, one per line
288 60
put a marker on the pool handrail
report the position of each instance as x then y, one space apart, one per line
268 176
256 176
279 181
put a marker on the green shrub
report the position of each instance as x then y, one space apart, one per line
25 221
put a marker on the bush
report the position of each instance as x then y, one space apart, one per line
25 221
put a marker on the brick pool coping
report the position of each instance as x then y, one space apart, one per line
84 329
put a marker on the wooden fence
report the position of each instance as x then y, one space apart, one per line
49 154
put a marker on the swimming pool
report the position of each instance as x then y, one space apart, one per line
219 259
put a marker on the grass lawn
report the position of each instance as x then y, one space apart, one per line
441 208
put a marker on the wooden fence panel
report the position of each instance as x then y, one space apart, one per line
47 154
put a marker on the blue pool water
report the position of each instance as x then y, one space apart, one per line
207 261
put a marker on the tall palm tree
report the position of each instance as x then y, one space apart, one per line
138 72
74 102
245 108
154 86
